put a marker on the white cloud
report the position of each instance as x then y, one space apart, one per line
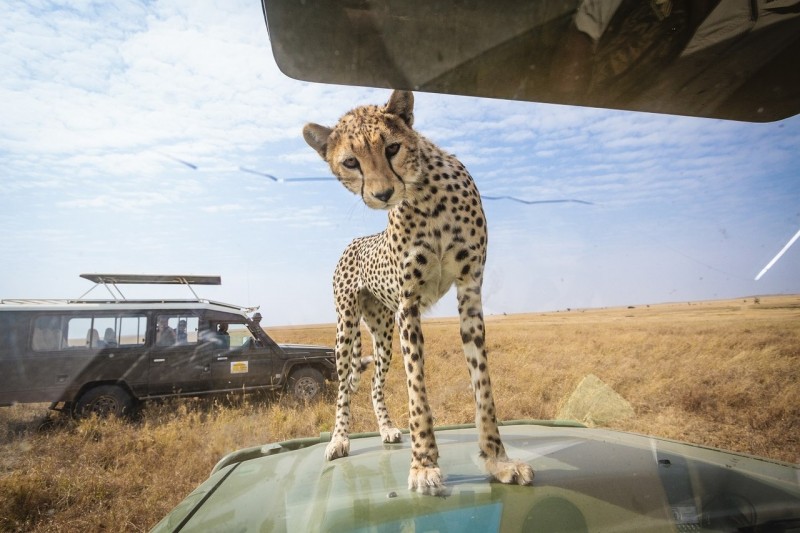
223 208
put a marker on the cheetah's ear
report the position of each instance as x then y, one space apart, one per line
317 137
401 103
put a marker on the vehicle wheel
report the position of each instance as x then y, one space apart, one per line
105 400
306 383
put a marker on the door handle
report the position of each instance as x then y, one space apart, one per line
222 358
159 360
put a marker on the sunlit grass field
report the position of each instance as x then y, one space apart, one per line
723 374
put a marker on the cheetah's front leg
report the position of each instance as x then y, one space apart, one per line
425 475
347 366
497 463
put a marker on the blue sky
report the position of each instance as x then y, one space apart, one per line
99 102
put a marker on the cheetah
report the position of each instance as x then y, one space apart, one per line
436 236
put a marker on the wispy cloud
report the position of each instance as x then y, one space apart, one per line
127 202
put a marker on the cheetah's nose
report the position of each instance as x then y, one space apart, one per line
384 196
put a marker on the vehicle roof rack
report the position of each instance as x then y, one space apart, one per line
50 304
150 301
113 280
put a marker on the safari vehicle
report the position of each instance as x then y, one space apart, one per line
732 60
105 356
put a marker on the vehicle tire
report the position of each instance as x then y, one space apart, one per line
306 383
104 401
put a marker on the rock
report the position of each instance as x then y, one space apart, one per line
595 404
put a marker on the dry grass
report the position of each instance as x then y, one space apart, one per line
724 374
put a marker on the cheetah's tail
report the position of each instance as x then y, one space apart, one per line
358 369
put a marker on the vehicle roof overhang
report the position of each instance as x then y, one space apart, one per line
731 60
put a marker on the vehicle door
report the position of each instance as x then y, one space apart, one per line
108 346
20 373
178 364
238 361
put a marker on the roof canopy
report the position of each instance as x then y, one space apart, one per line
154 279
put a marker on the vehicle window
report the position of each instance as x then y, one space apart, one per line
176 330
81 334
227 335
238 334
52 333
48 334
107 331
132 330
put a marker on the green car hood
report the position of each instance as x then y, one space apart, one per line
586 480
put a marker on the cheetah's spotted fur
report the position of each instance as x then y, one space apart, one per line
436 236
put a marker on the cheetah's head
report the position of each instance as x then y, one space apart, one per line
372 150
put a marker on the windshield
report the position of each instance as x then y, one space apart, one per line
654 251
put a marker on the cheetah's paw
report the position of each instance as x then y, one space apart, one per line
337 447
391 435
426 479
510 471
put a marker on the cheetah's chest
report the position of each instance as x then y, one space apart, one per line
421 275
420 259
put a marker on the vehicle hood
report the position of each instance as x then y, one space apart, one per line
586 480
297 350
305 347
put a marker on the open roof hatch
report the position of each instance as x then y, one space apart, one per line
719 58
147 279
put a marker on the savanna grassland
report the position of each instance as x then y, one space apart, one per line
723 374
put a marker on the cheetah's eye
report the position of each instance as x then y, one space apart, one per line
350 162
392 149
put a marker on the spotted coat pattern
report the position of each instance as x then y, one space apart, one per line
436 237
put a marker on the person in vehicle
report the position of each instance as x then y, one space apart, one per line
93 339
182 337
224 337
257 322
110 337
165 335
